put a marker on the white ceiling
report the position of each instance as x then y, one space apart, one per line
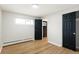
42 10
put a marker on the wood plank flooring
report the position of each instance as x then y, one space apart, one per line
36 47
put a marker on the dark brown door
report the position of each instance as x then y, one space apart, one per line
69 30
45 29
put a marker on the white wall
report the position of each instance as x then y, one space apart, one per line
0 31
55 25
13 32
77 33
55 29
77 30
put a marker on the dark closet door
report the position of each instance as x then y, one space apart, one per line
69 30
38 29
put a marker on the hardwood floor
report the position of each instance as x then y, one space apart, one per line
36 47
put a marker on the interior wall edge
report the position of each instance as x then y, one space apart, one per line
0 30
59 45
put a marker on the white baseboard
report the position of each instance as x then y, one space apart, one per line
18 41
77 47
55 44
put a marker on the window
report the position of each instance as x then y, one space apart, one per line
29 22
24 21
32 22
20 21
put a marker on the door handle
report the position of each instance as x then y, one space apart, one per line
74 33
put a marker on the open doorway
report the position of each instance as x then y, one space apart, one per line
44 29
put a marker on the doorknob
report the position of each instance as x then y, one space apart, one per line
74 33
